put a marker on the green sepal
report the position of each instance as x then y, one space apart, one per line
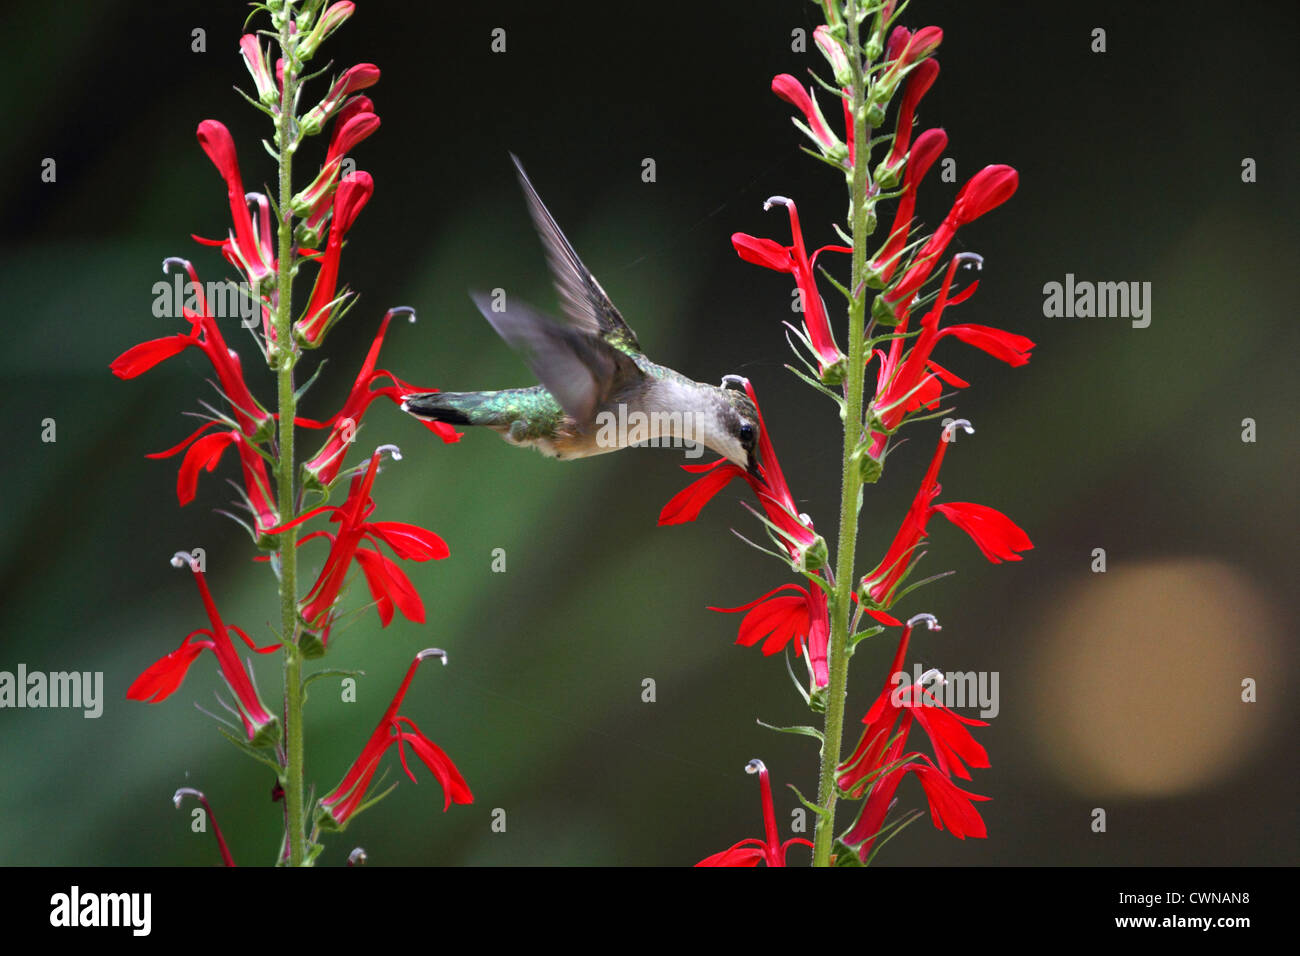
267 735
250 751
311 646
834 373
843 855
882 313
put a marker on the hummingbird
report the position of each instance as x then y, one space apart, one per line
599 391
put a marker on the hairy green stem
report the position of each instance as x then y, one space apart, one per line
851 480
292 781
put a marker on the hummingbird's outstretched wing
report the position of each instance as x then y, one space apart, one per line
578 367
581 297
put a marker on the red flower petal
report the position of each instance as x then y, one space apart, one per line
745 853
161 678
454 787
140 358
203 454
686 504
996 535
1008 346
390 586
409 541
762 252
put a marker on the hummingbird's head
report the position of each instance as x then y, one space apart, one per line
740 429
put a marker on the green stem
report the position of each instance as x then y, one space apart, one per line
285 467
851 480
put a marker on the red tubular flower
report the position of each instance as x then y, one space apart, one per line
356 122
205 453
356 78
951 807
986 190
776 621
833 50
929 146
905 48
875 762
794 259
345 800
905 384
161 678
791 90
268 92
256 260
997 536
918 84
325 464
389 586
806 548
204 335
750 852
353 193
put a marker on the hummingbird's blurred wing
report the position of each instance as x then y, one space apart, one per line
581 297
579 368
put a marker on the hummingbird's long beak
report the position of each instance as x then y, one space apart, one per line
753 464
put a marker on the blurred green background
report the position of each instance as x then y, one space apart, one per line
1118 690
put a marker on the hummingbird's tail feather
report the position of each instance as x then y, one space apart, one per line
458 408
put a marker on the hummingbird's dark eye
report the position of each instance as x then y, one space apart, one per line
747 434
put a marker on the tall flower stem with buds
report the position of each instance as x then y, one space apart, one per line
268 259
286 354
851 475
872 58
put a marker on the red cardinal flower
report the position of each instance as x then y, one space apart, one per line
205 454
205 336
801 617
389 586
346 800
918 84
928 147
353 193
325 464
354 79
903 49
268 91
791 90
878 761
807 549
355 122
907 383
951 807
160 680
794 259
750 852
997 536
254 256
953 745
985 191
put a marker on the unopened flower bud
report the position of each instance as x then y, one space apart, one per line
335 15
833 50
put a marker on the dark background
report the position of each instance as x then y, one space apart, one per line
1119 691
